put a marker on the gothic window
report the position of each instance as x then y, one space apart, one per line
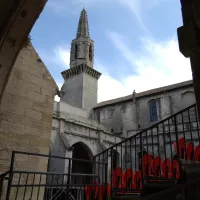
110 113
76 51
153 110
98 115
90 53
123 109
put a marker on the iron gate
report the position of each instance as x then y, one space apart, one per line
29 179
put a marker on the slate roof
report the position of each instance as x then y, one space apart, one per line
146 93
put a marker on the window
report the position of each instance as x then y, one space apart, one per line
98 115
76 51
153 110
90 53
123 109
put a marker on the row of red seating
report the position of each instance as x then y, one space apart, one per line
130 180
187 151
98 191
152 166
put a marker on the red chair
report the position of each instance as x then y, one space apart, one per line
87 192
148 164
128 178
190 151
138 180
157 166
175 169
181 143
117 177
91 192
102 191
197 153
175 147
166 168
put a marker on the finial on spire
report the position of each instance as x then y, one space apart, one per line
83 25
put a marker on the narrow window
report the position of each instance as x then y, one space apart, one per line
76 51
90 53
98 115
153 112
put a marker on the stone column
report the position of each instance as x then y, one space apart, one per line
109 169
165 107
189 36
135 115
68 154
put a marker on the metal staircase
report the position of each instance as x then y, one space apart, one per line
158 160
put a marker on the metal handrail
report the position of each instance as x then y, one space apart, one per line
151 127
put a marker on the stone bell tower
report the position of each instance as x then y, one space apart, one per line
81 80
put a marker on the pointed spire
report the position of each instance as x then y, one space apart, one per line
83 25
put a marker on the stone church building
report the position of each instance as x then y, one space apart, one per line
82 127
34 125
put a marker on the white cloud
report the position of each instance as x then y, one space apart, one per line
137 7
158 64
74 6
61 56
59 59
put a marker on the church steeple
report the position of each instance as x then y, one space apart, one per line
82 48
83 30
81 80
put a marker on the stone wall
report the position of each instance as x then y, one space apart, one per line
26 112
15 24
71 125
127 118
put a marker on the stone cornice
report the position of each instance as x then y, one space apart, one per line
80 69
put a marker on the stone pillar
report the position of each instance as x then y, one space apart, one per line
109 169
189 36
68 164
165 107
135 116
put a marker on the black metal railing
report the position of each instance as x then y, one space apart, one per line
30 179
154 155
3 178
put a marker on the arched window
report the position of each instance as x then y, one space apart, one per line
76 51
90 53
153 110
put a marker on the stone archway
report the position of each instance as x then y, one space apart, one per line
83 152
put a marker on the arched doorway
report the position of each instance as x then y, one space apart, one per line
83 152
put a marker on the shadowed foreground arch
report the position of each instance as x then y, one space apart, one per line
82 151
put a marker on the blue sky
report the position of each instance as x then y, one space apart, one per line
136 45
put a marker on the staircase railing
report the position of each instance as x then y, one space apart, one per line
29 178
154 155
